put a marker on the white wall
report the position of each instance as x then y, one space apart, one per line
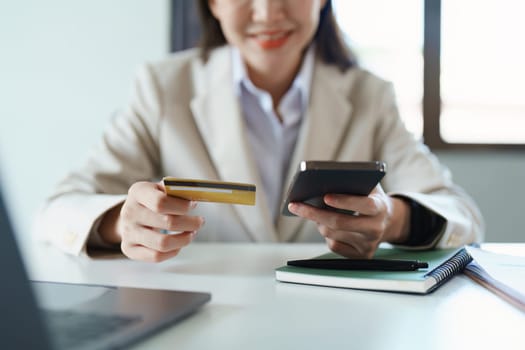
496 180
65 67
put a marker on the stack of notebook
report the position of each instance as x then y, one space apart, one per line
442 265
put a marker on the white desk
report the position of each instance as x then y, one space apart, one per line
250 310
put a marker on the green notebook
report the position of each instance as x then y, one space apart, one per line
443 264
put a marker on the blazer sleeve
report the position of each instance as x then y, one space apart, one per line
415 173
127 153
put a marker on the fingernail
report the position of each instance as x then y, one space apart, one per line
292 207
203 221
193 234
193 204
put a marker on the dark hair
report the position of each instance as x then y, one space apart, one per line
330 46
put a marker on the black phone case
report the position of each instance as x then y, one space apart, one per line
314 179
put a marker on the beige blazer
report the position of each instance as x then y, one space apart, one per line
184 120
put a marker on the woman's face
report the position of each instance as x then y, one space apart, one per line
270 34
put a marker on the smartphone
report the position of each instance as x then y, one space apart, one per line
314 179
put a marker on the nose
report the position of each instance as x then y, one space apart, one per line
268 10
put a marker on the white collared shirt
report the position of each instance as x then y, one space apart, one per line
272 142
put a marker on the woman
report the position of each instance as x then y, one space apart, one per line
272 84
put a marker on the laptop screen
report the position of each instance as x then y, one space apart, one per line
21 324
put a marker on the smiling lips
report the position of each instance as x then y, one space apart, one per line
272 40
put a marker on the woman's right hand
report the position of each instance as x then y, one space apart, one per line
137 223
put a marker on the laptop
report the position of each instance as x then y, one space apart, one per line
45 315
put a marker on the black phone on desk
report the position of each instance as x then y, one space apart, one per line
314 179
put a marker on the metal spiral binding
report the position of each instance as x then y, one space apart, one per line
452 266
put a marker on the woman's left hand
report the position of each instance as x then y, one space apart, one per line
380 218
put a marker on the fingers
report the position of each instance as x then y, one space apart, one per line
341 235
343 249
348 235
148 210
146 254
158 241
148 206
351 250
337 221
365 205
144 217
153 197
148 245
350 244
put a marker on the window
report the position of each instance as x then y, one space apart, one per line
387 37
483 71
459 66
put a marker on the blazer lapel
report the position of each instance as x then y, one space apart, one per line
219 118
323 130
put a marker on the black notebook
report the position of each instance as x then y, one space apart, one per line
443 264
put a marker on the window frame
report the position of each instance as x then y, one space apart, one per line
184 25
432 87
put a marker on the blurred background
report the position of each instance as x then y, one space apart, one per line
457 66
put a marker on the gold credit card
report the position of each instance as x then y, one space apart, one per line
210 191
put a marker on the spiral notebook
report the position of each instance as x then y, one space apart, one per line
443 264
